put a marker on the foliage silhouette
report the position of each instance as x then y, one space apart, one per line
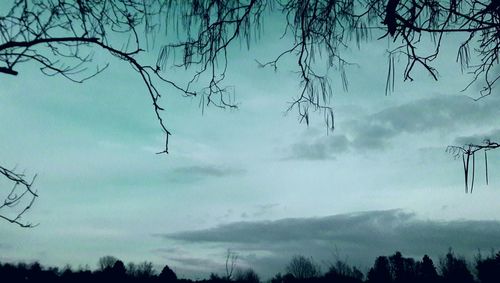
106 262
381 271
426 271
246 276
455 269
488 269
342 272
402 269
167 275
303 268
386 269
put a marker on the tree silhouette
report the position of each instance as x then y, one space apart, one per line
167 275
488 269
385 270
454 269
61 37
246 276
381 271
230 265
402 269
107 262
118 271
342 272
302 267
426 271
145 270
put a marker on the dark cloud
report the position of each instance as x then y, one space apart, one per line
196 173
375 131
360 236
436 113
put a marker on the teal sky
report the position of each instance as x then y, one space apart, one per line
104 191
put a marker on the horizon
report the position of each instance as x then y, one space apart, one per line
236 272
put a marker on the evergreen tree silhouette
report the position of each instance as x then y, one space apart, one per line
380 272
455 270
167 275
488 270
426 271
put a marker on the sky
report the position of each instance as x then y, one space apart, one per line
253 180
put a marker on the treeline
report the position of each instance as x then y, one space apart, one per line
386 269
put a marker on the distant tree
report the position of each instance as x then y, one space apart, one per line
10 273
488 269
230 265
246 276
215 278
426 271
106 262
67 274
455 269
145 270
342 272
131 269
278 278
118 271
36 267
402 269
381 271
167 275
288 278
302 267
34 272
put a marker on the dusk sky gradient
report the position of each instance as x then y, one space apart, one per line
252 180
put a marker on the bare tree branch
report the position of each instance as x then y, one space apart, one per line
19 198
468 155
231 259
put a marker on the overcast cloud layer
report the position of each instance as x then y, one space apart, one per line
359 237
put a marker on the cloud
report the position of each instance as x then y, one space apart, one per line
430 114
204 264
325 147
197 172
6 247
376 131
493 135
268 245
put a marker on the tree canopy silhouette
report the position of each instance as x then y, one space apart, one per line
61 37
392 269
302 267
